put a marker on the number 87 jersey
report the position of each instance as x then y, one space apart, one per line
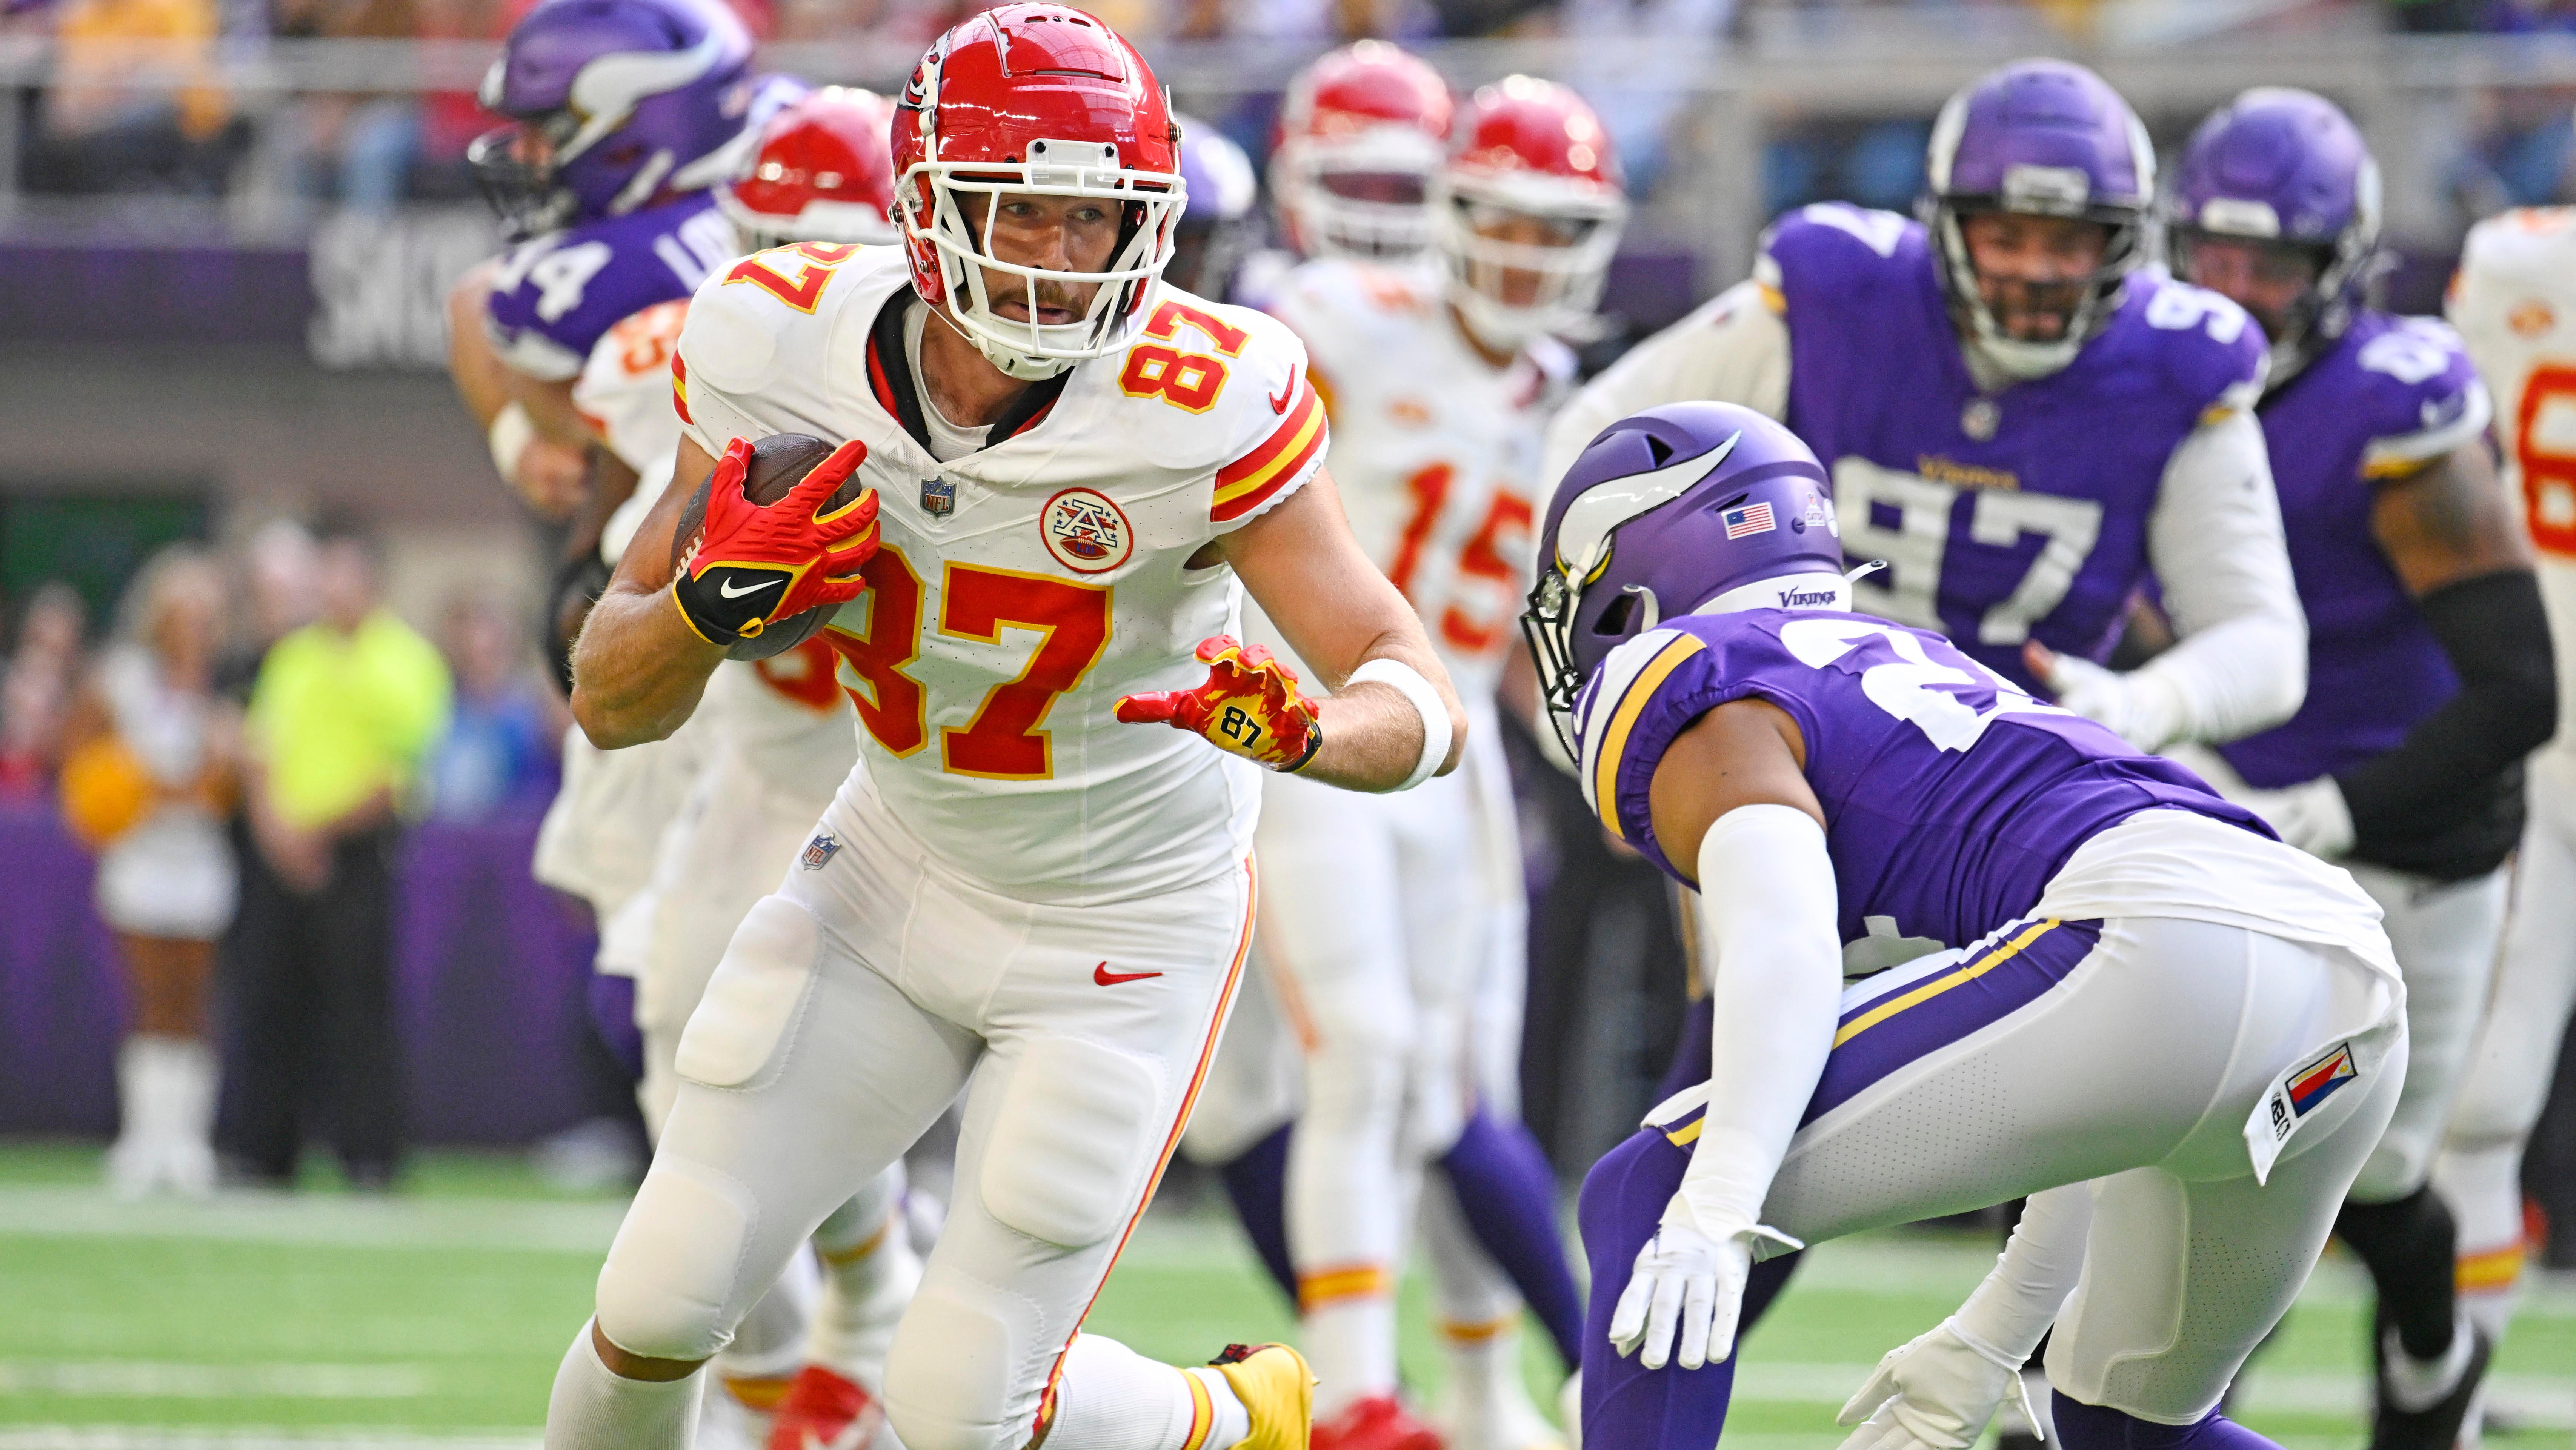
1023 587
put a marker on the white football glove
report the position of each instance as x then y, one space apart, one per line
1685 1283
1934 1393
1688 1285
2139 707
2310 815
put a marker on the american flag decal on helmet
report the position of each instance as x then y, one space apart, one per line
1752 518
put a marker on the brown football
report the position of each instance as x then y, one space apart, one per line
778 463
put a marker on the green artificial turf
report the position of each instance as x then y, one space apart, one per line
441 1312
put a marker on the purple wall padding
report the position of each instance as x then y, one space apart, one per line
490 987
128 294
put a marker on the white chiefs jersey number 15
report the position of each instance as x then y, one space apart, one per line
1436 451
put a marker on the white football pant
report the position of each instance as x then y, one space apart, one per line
849 1010
2444 936
2516 1054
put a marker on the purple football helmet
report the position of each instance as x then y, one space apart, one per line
2287 168
1669 512
618 104
2044 138
1216 227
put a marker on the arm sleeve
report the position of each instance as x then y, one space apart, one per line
1733 349
1767 908
2497 637
2216 545
2019 1298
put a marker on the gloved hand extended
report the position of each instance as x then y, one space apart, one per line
1248 707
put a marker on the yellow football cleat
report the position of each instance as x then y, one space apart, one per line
1276 1389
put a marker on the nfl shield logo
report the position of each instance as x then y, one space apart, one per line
938 497
819 851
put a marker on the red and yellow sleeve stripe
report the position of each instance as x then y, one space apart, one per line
680 387
1278 460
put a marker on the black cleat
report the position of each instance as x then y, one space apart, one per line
2436 1426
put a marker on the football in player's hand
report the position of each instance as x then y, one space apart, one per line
778 463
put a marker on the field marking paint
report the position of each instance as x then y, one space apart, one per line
151 1380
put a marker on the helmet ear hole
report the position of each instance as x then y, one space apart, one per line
1615 619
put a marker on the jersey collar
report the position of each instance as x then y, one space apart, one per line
890 379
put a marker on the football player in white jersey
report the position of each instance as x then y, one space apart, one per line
1395 925
777 740
1027 893
2514 303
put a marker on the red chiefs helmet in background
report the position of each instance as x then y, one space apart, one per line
1034 99
1527 213
824 173
1360 134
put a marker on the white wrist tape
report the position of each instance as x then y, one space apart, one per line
1408 682
510 434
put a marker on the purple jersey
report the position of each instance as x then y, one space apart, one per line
556 295
2005 516
1950 796
2391 394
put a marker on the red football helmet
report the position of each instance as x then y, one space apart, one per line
1360 134
1527 212
1034 99
824 173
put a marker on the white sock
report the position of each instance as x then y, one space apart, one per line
2419 1384
2483 1186
869 1274
1484 1360
769 1343
190 1071
593 1408
1112 1398
1350 1343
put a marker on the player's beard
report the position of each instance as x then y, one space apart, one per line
2028 311
1040 297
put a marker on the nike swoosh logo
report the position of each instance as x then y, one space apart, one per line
1287 393
1107 978
725 588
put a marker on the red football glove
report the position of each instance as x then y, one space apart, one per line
755 566
1248 707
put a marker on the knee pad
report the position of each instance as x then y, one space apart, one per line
670 1284
1073 1139
949 1380
751 1002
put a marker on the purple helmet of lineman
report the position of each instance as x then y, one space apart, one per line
2044 138
2278 182
616 105
1691 508
1216 226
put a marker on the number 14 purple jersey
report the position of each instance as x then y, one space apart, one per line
2007 516
1950 796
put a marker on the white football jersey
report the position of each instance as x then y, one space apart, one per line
785 714
1435 450
1023 588
2514 303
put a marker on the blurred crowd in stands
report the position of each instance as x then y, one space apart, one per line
89 132
241 744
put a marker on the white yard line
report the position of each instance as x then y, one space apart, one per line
148 1380
487 1223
